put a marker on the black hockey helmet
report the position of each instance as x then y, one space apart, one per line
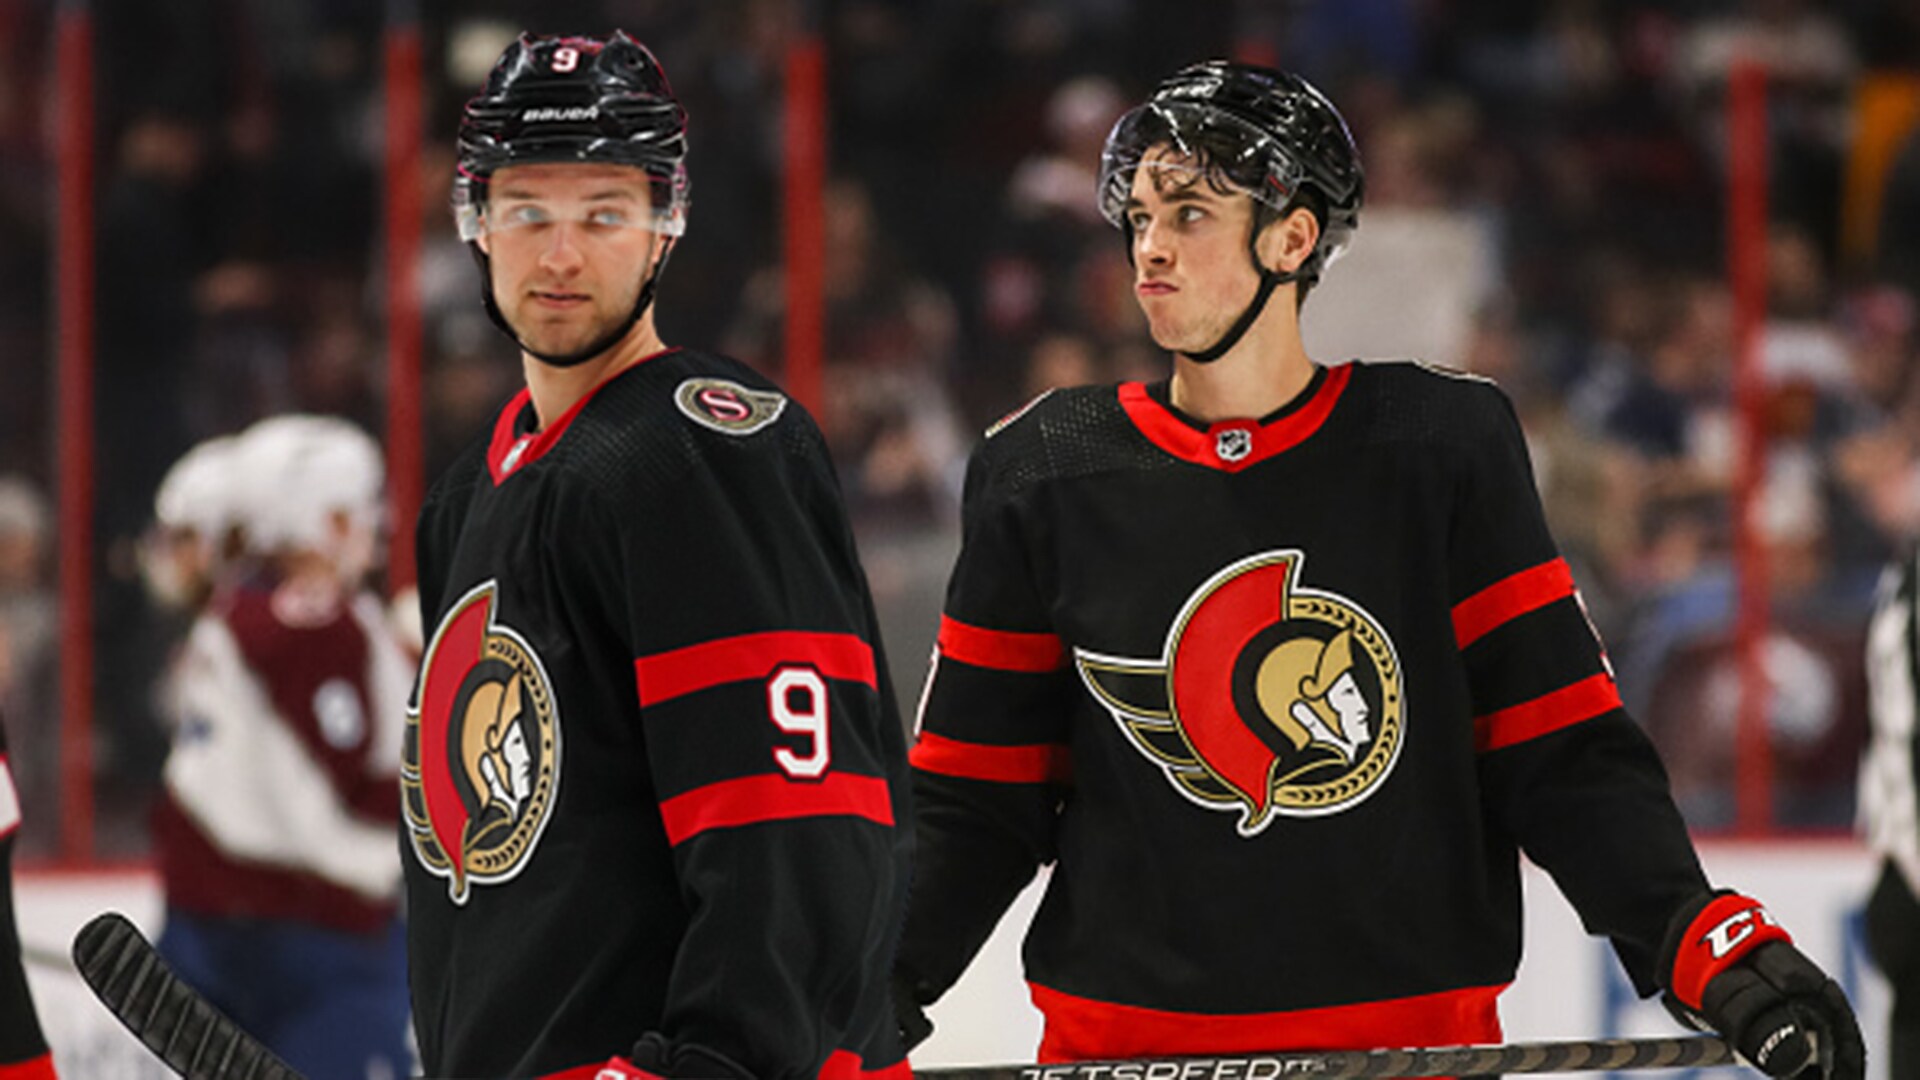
584 99
1268 132
573 99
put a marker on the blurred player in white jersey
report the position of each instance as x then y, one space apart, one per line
276 832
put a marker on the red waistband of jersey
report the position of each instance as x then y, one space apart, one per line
840 1065
1082 1029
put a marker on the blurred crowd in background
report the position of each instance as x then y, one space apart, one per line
1546 205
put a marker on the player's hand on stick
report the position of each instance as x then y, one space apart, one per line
1730 968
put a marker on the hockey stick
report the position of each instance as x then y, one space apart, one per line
1683 1052
199 1042
182 1028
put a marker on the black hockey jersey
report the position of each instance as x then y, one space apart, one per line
654 778
1282 700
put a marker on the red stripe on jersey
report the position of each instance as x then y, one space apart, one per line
1547 713
1036 764
1081 1029
1004 650
39 1068
1510 598
664 676
1177 437
753 799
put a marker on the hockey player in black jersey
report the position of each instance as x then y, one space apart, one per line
1278 666
655 788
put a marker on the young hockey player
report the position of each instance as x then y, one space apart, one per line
655 786
1277 664
275 835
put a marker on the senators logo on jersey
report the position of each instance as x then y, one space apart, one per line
1269 697
482 754
726 406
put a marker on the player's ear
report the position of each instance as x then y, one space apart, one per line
1286 242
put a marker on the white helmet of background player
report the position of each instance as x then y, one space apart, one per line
195 513
1267 133
313 485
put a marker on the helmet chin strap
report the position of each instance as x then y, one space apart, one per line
1269 281
586 352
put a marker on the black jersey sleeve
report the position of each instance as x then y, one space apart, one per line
1567 772
991 755
777 757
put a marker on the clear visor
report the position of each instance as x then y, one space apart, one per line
1192 143
507 214
1181 144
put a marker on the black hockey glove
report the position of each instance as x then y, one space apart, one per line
1728 967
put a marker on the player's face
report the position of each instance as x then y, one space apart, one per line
569 246
1192 273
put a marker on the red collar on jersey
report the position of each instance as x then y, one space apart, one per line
1232 445
512 449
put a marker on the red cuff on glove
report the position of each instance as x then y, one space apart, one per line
1728 928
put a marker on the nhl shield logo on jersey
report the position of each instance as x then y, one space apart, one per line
1233 444
727 407
1269 698
481 762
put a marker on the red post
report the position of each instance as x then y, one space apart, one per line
1747 267
405 458
73 320
803 188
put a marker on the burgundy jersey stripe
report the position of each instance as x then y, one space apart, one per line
1510 598
1080 1028
1547 713
664 676
1037 764
1005 650
750 800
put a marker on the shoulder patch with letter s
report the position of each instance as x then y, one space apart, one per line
726 406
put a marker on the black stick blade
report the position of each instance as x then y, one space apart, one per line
182 1028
